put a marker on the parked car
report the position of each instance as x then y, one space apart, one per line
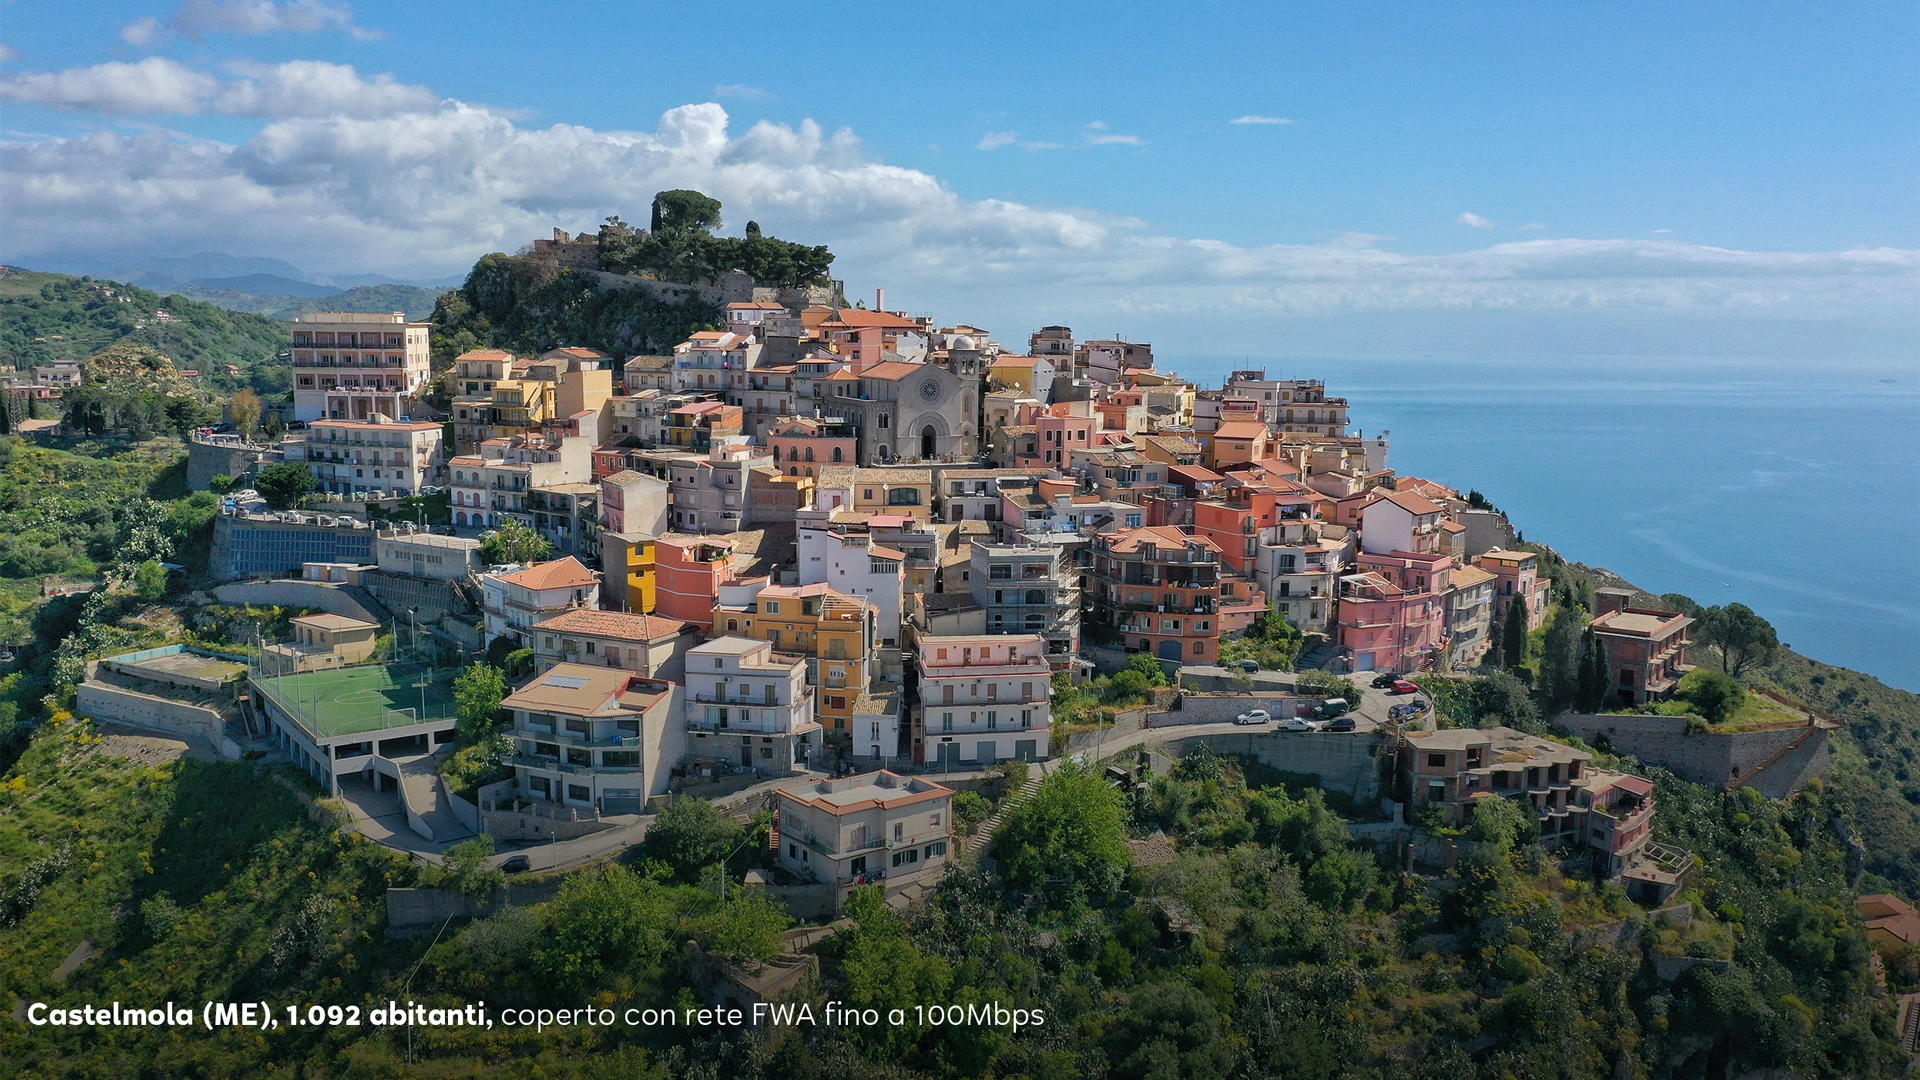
1402 712
1331 708
1345 723
1402 686
1297 724
1249 666
518 864
1257 716
1384 680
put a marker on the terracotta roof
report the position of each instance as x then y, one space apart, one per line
1164 536
485 354
1004 360
859 319
1240 429
756 305
1412 503
558 574
879 552
893 370
627 626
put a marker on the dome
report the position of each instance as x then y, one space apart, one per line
965 343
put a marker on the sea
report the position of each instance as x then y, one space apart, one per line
1791 488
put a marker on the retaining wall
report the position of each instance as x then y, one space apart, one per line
119 705
1708 758
130 664
1222 710
289 592
208 460
400 593
1124 723
1343 762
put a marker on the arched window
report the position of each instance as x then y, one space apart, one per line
809 470
836 455
1035 596
793 453
809 453
793 470
733 624
927 441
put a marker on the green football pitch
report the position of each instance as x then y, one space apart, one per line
369 697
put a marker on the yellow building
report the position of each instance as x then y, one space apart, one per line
1014 372
321 642
899 490
637 590
833 630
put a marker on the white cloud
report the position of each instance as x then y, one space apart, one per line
198 18
158 86
1531 226
1661 232
1473 220
1251 118
425 189
1098 125
8 52
994 140
739 92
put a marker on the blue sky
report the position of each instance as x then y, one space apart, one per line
1529 159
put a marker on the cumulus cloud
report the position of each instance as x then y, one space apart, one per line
1098 135
1473 220
158 86
199 18
994 140
1252 118
423 190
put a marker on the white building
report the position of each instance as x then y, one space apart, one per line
428 555
1400 521
750 705
349 366
379 457
850 560
595 737
498 482
515 598
983 699
1298 563
710 494
877 827
715 361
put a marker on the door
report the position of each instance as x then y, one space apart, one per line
1025 749
746 752
1170 650
984 752
949 755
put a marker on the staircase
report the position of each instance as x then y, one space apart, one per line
982 837
1742 780
1318 657
420 791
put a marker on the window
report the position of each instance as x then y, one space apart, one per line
946 720
937 849
1436 761
907 857
933 818
899 831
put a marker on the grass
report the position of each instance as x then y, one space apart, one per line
1756 712
367 697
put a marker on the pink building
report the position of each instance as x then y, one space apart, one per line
1516 573
1387 628
801 445
689 572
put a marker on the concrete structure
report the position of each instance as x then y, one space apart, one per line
689 571
801 445
1384 626
319 642
1516 573
848 558
1298 563
631 502
982 699
515 599
1158 589
428 555
923 412
1892 923
750 705
1029 588
594 737
497 483
1469 600
350 366
1646 647
568 515
630 577
1775 761
248 545
710 494
875 827
213 455
1400 521
648 645
378 457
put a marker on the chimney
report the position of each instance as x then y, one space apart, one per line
879 299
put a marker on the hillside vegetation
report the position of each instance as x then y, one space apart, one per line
416 302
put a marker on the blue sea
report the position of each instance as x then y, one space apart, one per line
1794 489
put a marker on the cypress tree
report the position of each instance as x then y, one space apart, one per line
1592 693
1560 662
1513 636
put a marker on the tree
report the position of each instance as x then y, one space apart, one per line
244 410
747 928
1742 636
222 484
1713 694
691 836
1149 668
1069 840
283 485
1502 700
1591 691
150 580
1560 660
684 210
603 921
1513 634
477 694
513 542
466 871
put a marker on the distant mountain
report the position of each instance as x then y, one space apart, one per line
415 301
265 285
216 264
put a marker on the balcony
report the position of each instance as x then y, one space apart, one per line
532 761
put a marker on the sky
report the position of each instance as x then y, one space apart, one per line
1705 179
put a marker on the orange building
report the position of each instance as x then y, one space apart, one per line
688 573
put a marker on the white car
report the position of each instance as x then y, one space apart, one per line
1297 724
1257 716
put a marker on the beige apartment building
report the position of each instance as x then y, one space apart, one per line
322 642
350 365
595 738
878 827
378 456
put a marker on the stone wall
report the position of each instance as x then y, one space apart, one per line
1344 763
100 701
298 594
1125 722
1708 758
1195 709
208 460
401 592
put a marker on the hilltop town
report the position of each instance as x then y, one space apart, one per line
895 628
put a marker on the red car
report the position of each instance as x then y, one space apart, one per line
1402 686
